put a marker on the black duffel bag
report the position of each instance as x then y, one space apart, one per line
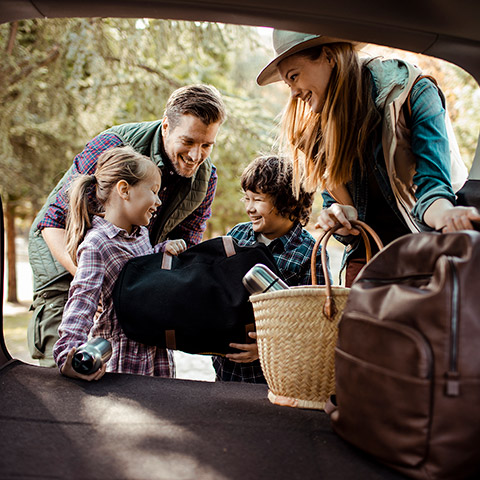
194 302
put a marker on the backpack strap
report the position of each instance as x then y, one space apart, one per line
167 261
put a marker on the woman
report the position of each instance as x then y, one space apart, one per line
352 134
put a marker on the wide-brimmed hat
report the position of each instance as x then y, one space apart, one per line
287 43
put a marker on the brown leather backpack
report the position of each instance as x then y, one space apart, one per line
408 357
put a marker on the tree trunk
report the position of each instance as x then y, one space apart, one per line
11 253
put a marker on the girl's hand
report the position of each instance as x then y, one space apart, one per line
174 247
337 213
250 351
68 370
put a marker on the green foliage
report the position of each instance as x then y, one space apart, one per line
68 79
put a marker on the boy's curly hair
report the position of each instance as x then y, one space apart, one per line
273 175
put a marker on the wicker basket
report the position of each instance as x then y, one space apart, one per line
297 333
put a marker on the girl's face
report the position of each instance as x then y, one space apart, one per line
264 216
142 200
308 79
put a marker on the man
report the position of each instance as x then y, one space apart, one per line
180 145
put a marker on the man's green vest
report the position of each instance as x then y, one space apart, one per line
146 138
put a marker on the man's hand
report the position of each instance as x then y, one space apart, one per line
250 351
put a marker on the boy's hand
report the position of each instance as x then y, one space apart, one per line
174 247
250 351
68 370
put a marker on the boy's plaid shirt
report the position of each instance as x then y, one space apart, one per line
292 253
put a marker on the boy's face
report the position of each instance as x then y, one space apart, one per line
264 216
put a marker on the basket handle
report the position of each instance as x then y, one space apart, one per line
329 308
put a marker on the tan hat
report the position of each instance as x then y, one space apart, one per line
287 43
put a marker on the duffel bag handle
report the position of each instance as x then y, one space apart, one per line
329 308
228 245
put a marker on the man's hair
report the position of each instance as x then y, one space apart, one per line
272 176
202 101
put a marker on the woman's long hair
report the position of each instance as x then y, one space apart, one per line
325 145
89 194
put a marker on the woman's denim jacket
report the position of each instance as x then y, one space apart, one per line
412 165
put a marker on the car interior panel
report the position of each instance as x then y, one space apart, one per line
129 426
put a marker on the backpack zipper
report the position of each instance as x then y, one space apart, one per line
386 281
452 386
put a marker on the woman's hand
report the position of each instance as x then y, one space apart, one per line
175 247
459 218
68 370
250 351
442 215
337 213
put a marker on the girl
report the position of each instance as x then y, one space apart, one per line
100 240
376 160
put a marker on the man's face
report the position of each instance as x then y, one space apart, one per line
189 143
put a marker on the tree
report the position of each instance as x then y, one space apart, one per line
67 80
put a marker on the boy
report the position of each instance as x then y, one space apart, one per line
277 219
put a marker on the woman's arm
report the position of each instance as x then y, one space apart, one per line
429 140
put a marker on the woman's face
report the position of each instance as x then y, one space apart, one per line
308 79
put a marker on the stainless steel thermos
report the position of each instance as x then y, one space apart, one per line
260 279
90 356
